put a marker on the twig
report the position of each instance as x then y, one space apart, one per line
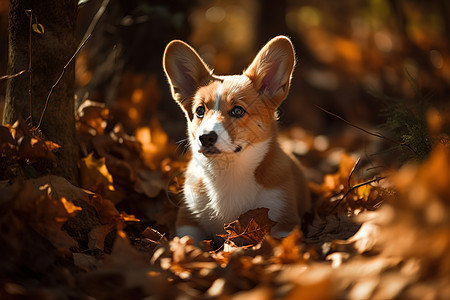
30 12
59 79
374 168
12 76
86 37
379 135
95 19
355 187
353 171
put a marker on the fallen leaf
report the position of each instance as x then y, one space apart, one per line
46 213
92 117
252 226
106 210
98 235
95 175
126 273
288 251
60 187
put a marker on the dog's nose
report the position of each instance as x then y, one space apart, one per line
208 139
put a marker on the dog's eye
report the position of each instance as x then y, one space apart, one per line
200 111
237 112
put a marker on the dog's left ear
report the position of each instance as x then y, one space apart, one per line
272 69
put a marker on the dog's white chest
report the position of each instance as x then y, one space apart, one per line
228 188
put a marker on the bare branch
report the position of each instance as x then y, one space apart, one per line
59 79
355 187
86 37
12 76
379 135
353 171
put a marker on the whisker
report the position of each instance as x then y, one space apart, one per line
186 145
181 141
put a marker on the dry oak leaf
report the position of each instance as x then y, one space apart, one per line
183 258
417 225
97 236
337 182
109 217
30 143
126 274
107 212
95 175
155 144
36 148
288 250
153 235
91 118
46 211
252 226
60 187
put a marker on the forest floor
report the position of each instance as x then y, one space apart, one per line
374 234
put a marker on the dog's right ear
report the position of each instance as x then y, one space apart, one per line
185 70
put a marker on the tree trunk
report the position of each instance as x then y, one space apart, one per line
50 52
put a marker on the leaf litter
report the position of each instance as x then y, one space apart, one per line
113 237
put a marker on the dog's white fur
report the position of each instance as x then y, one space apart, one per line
230 188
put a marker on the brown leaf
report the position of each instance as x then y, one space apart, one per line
91 118
59 187
111 219
31 144
46 213
155 144
288 251
95 175
36 148
96 237
253 226
106 211
152 234
183 258
339 180
128 275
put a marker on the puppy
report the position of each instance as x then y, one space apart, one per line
237 163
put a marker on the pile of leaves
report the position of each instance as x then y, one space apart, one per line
113 237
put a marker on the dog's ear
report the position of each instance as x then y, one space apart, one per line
185 70
272 69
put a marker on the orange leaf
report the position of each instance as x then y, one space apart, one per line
107 212
95 175
253 226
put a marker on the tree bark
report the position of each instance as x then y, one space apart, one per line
50 52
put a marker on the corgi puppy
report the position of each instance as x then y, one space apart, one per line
237 163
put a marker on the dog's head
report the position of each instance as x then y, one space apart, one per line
226 114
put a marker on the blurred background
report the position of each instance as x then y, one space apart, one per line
348 52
